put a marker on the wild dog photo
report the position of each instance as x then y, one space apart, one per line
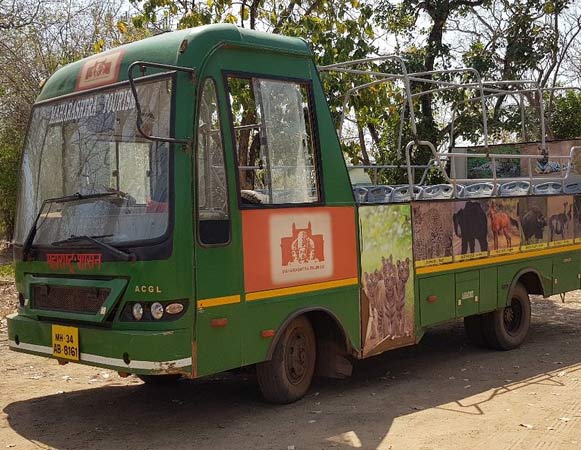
470 239
503 226
387 276
560 220
433 229
532 213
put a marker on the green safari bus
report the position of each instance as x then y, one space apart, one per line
185 209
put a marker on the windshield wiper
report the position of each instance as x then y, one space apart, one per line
125 256
64 199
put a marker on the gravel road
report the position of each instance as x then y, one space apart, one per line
441 394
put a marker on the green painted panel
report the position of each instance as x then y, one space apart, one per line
565 272
508 272
441 286
218 267
219 271
467 293
219 348
166 48
110 345
488 289
272 313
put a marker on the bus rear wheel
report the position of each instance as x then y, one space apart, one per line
287 376
507 328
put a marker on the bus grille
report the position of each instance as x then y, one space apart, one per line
69 299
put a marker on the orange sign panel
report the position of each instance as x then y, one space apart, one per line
291 247
100 70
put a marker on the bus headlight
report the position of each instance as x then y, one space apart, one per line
137 311
157 310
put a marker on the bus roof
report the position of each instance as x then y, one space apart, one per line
111 66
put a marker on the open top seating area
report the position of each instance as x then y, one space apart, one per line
472 152
365 191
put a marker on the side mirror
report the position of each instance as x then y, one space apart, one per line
140 123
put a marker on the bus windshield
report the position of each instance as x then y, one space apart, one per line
89 144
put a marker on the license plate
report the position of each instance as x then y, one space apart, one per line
65 342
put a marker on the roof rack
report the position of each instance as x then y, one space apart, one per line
484 89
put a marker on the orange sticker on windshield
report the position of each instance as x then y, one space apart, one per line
100 70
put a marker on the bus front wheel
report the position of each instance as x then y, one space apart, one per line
287 376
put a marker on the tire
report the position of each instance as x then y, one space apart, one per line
507 328
474 327
287 376
159 380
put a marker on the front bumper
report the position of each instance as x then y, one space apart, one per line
139 352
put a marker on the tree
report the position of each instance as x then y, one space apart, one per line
9 158
402 18
336 31
31 49
17 14
520 40
566 113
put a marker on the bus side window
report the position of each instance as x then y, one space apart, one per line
276 153
212 192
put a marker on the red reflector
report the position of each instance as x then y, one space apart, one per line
267 333
219 323
432 298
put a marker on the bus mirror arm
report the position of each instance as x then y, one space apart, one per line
139 120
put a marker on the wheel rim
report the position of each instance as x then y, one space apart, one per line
513 315
297 358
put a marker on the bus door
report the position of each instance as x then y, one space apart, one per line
218 273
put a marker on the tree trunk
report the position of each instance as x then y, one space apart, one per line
439 15
364 153
243 150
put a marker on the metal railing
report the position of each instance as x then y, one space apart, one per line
485 90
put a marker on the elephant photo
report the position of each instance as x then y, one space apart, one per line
470 226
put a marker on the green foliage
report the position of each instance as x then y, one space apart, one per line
6 271
10 143
565 120
480 57
386 231
528 39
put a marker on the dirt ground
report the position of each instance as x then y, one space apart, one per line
441 394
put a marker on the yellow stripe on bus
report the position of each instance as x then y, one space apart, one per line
495 259
218 301
262 295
